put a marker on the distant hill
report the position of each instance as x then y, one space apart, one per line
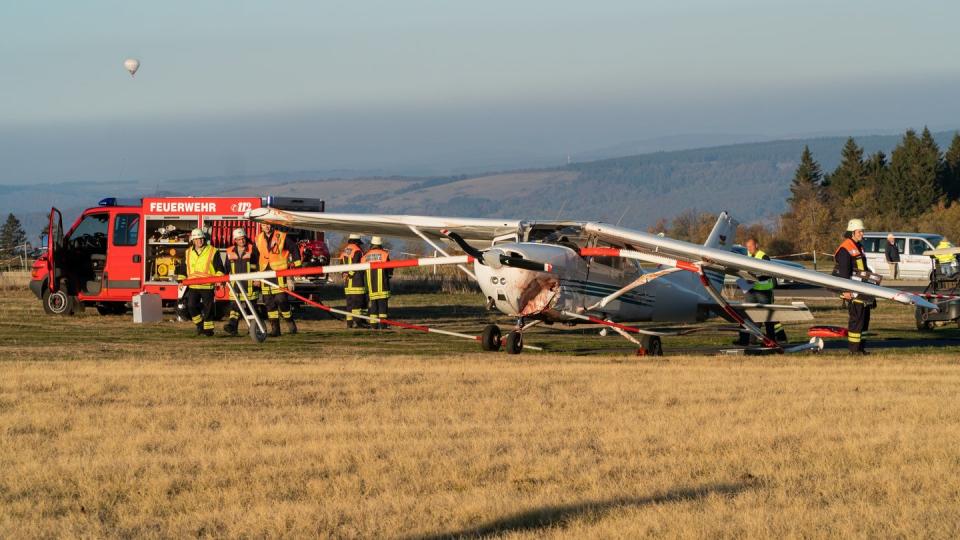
750 179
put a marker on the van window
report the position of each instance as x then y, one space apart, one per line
125 227
918 246
873 244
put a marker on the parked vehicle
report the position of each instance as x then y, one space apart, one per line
913 264
114 251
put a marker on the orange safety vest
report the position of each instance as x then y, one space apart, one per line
378 281
201 264
349 252
855 253
273 256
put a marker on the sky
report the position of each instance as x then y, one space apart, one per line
434 87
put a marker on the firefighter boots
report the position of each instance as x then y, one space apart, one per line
231 327
291 326
274 328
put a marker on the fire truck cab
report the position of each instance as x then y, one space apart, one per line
116 250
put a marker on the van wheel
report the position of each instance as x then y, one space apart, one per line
58 302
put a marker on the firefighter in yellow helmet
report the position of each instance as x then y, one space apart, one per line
946 263
378 282
277 252
851 263
202 260
242 257
354 288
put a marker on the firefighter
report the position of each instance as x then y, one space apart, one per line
354 288
851 261
276 249
242 257
947 263
761 292
378 282
202 260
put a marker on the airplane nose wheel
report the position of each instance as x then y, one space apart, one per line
490 339
514 342
650 346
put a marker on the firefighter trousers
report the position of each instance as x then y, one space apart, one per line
200 307
356 304
858 323
278 305
378 309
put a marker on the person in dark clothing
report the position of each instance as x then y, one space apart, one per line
892 255
761 292
354 286
850 263
242 257
201 261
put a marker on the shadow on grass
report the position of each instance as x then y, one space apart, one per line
550 516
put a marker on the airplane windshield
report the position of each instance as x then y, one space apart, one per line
564 235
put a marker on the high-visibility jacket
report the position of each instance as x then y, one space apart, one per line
277 250
763 283
354 281
945 259
378 279
241 263
203 263
849 258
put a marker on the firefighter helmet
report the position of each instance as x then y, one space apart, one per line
376 241
353 236
239 233
196 234
855 225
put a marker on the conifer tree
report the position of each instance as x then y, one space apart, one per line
951 163
850 176
913 183
11 235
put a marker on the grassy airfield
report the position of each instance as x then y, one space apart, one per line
113 429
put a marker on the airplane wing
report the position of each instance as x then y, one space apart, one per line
729 262
474 230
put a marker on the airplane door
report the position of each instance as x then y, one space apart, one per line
123 271
54 248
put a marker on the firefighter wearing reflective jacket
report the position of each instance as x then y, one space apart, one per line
276 249
378 282
762 293
354 286
851 262
202 260
242 257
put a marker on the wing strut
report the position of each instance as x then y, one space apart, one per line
437 247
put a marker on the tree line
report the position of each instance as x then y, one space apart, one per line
915 188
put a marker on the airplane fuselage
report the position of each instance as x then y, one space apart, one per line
576 282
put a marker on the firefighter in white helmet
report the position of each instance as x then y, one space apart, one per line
242 257
277 251
851 263
354 289
378 282
201 260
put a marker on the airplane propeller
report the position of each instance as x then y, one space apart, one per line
496 258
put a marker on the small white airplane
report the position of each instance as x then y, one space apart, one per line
587 272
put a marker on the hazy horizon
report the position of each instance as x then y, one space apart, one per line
231 88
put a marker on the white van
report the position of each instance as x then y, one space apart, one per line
913 264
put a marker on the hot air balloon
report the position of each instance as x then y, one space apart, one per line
132 65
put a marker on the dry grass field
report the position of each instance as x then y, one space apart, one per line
111 429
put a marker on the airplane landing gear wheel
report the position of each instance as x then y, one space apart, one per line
256 334
514 342
490 339
58 302
651 346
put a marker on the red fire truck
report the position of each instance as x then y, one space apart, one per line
116 250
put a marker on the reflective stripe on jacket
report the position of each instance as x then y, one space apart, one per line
764 283
201 265
378 279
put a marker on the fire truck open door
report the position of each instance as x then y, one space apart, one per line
54 249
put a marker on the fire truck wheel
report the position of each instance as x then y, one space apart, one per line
58 302
490 340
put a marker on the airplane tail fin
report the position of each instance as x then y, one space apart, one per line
723 235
